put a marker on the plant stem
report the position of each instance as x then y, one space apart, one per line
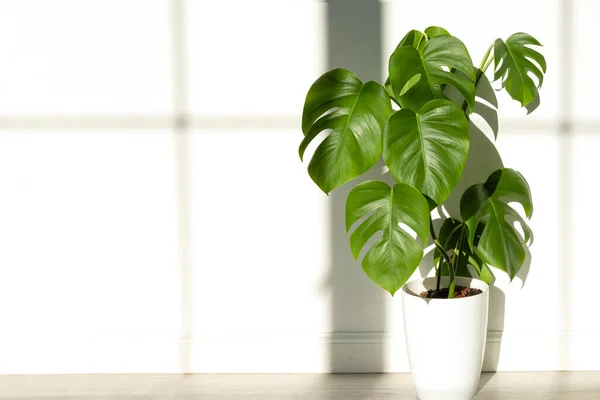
455 264
436 242
452 287
439 277
443 253
487 64
485 58
483 66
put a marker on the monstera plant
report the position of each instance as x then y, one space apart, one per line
423 137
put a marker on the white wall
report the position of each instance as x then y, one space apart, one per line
130 243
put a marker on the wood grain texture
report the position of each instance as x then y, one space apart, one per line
505 386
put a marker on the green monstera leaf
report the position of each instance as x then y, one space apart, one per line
513 63
417 76
354 113
434 31
413 38
428 149
500 245
393 258
418 40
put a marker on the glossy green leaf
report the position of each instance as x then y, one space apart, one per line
434 31
513 60
418 40
500 244
483 270
427 150
393 258
413 38
419 76
355 114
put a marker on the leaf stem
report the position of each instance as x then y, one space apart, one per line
444 256
455 263
484 61
483 66
452 287
439 276
436 241
487 64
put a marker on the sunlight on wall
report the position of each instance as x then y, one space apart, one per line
584 86
261 250
93 184
257 61
67 57
88 249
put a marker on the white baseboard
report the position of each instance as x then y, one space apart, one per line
373 352
268 352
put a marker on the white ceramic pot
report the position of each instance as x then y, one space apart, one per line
445 339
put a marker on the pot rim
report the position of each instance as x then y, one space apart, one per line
481 285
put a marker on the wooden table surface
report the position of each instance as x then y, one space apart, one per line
505 386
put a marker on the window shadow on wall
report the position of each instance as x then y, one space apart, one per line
358 306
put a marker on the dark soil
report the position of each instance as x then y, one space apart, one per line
459 291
